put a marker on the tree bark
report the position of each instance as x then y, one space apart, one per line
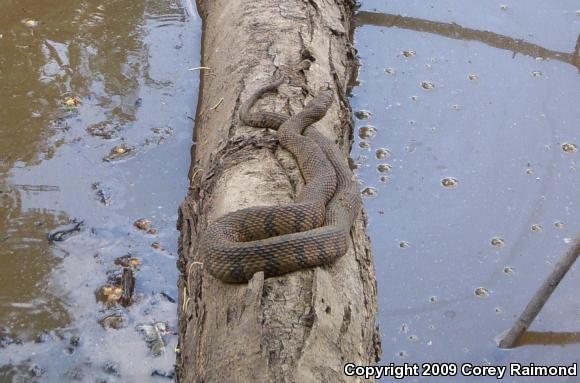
304 326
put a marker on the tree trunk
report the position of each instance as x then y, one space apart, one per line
304 326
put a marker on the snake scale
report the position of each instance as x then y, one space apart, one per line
311 232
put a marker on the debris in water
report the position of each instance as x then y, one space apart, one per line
558 224
167 296
153 335
66 231
127 261
497 242
382 153
114 321
427 85
404 245
481 292
569 148
6 338
384 168
508 270
142 224
118 152
536 228
363 114
72 102
104 130
364 145
369 192
537 73
163 374
128 286
473 77
409 53
109 295
367 132
103 193
449 182
30 23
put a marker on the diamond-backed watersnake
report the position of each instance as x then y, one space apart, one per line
311 232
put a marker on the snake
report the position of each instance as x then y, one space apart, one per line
314 230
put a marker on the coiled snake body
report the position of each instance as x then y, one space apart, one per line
313 231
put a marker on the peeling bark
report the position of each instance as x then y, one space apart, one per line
302 327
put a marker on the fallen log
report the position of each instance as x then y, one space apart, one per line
304 326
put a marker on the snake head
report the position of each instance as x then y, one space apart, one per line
323 100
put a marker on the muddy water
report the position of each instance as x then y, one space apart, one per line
122 67
467 151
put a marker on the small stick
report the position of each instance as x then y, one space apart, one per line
199 68
218 104
541 297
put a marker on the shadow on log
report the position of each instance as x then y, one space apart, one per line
304 326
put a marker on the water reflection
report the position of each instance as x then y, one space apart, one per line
27 306
464 230
79 78
456 31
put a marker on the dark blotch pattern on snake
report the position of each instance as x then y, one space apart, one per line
311 232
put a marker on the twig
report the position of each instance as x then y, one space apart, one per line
199 68
541 297
218 104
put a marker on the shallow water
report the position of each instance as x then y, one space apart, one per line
475 106
125 66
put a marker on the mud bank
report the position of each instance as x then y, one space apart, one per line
300 327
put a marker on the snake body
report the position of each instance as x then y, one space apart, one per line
311 232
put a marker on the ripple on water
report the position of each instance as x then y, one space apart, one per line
382 153
569 147
367 132
427 85
404 244
384 168
362 114
370 192
449 182
497 242
364 145
481 292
